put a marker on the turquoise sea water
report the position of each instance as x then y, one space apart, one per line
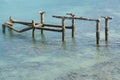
47 58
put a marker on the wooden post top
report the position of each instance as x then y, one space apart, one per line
33 23
106 17
98 20
41 12
11 19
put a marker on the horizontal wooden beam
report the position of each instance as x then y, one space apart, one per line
9 23
50 29
79 18
19 31
22 22
58 26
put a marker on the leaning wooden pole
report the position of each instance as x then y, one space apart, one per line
63 29
42 20
34 30
98 32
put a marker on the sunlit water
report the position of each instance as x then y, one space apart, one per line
47 58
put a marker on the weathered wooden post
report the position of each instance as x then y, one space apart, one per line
3 28
63 29
106 26
98 32
73 24
34 31
42 20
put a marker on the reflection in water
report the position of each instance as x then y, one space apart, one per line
99 56
64 45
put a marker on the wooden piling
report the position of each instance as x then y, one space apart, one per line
42 20
56 28
73 27
87 19
106 26
3 28
34 30
10 19
73 24
63 29
98 32
106 29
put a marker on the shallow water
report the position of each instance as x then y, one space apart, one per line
47 58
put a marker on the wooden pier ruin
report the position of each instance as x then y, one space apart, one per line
34 25
86 19
56 28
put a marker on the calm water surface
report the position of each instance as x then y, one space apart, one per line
47 58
